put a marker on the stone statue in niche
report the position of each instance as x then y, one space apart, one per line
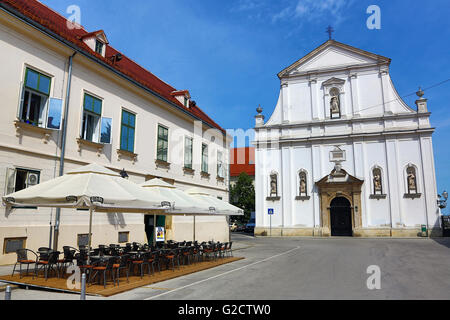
273 185
334 105
411 179
302 184
377 180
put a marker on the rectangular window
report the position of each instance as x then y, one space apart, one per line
83 239
124 237
204 158
163 143
127 131
220 170
18 179
11 245
188 151
34 101
99 47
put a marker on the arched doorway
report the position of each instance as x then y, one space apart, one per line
340 217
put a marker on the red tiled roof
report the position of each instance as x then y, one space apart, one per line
242 160
57 24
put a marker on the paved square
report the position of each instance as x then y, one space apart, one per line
308 268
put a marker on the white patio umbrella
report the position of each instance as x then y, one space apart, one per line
214 203
182 203
92 187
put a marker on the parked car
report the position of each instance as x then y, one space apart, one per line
250 226
240 227
233 226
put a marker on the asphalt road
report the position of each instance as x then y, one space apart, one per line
308 268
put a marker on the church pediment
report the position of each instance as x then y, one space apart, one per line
333 82
338 176
332 54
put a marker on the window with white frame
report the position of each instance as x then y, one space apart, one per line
188 151
36 106
162 143
99 46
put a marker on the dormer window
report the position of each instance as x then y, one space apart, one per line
99 47
96 40
182 96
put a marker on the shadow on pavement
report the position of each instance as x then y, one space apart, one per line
442 241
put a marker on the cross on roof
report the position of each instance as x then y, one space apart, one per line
330 30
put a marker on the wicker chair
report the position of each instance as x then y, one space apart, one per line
23 259
121 263
48 261
101 267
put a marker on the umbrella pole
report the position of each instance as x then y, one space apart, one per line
194 228
90 234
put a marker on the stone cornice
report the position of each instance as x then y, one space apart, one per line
347 69
344 121
381 134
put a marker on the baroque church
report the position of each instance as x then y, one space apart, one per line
342 154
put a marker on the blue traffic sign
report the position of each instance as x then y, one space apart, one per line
270 211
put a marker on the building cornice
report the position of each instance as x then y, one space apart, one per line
343 121
347 69
359 135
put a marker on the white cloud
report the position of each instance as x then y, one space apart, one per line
315 10
246 5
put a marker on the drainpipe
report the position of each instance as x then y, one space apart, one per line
63 147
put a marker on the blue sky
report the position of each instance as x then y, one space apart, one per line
227 53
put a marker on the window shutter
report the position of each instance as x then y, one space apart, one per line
54 116
105 131
21 95
10 184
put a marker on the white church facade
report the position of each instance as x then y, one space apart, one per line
342 154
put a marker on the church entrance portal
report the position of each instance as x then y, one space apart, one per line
341 217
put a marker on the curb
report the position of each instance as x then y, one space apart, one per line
3 287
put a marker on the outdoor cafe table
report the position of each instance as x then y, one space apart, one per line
105 257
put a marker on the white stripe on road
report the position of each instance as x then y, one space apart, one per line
222 274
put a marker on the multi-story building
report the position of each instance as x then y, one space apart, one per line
69 99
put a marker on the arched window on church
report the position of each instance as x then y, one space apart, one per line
377 181
335 103
303 184
411 179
